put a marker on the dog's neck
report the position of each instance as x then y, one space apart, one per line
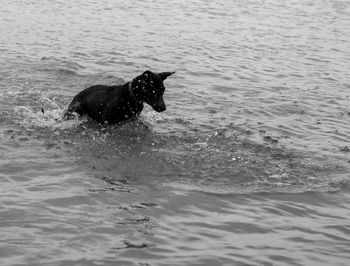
135 86
131 91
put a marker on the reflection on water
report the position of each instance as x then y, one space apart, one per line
248 166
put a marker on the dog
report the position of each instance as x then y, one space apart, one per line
115 104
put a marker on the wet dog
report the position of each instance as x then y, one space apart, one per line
114 104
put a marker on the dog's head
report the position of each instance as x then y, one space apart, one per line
149 88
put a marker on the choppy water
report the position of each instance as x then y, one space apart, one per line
249 165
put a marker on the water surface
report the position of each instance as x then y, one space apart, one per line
249 165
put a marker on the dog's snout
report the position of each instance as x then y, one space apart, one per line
159 106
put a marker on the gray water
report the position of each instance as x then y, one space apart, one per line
249 165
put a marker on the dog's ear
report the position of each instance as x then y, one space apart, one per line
147 73
164 75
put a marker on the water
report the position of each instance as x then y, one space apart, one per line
249 165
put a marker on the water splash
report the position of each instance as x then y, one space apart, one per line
48 119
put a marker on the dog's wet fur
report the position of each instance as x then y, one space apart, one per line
115 104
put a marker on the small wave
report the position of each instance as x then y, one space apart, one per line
60 67
59 71
55 61
66 72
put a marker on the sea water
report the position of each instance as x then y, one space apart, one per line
249 165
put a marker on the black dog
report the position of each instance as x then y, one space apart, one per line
114 104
